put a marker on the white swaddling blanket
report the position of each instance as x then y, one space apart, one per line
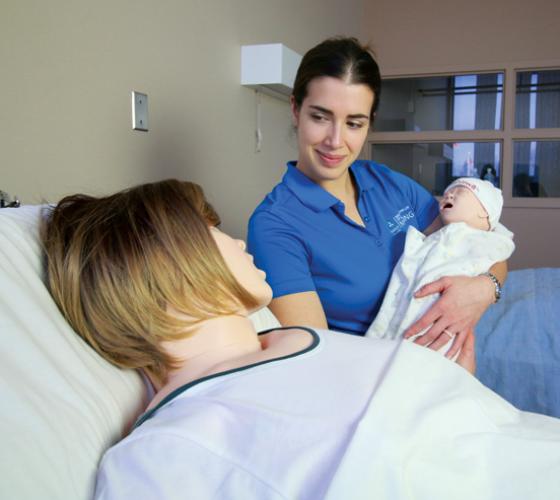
456 249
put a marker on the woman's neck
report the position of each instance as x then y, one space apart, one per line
346 190
342 188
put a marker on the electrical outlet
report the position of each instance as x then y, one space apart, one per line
139 111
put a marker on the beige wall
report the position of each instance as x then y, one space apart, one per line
431 35
68 68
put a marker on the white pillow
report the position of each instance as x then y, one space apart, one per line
62 405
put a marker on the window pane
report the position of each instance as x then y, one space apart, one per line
537 100
462 102
435 165
536 169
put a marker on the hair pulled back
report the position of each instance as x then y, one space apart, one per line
343 58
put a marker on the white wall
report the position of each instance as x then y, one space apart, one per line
67 69
424 35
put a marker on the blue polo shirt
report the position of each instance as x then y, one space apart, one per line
301 238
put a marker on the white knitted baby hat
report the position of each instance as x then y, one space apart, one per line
489 196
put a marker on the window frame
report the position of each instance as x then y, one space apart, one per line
506 135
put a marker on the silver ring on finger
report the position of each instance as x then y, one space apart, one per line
448 333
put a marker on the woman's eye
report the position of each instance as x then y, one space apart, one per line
355 125
318 117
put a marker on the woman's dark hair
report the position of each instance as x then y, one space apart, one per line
342 58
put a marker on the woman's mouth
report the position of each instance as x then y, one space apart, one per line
330 160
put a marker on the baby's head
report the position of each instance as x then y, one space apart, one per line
476 202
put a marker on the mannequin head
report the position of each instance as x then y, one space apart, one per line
476 202
459 204
145 266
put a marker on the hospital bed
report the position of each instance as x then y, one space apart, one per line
63 406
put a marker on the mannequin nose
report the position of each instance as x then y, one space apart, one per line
242 244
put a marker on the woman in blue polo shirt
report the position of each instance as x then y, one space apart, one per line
329 235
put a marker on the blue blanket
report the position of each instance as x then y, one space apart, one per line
518 342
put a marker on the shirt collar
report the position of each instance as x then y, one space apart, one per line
308 192
314 196
363 180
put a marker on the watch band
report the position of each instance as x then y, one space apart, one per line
497 286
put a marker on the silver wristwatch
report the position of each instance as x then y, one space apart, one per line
497 286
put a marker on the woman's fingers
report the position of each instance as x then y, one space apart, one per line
458 343
437 286
462 302
427 320
467 356
437 337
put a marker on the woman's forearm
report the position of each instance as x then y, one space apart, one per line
500 270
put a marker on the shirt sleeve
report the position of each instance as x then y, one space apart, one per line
280 253
168 467
426 207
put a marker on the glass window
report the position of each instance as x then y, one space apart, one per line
536 169
537 99
461 102
436 164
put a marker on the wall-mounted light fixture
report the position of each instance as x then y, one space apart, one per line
270 68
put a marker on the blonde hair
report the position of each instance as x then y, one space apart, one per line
116 264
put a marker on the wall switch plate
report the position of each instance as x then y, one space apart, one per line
139 111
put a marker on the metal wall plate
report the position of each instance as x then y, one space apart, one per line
139 111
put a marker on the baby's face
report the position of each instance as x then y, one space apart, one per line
460 204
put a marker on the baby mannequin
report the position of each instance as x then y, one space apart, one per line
469 243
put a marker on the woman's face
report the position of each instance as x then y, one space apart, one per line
332 124
240 263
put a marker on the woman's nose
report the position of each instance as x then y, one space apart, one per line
335 139
241 244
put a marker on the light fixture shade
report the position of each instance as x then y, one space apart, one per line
270 68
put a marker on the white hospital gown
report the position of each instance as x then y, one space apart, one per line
348 419
456 249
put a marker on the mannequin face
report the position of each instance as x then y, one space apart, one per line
240 263
460 204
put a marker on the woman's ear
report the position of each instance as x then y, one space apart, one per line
295 111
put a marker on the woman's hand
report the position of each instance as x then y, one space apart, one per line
462 303
467 357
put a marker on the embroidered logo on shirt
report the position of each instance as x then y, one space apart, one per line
400 220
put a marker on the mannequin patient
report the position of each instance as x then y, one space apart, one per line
147 279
